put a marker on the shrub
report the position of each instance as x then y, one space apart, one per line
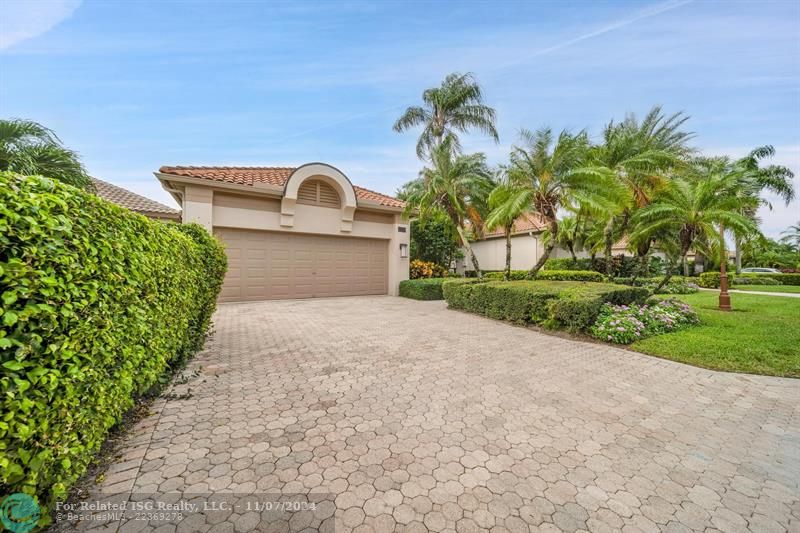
422 289
570 275
550 275
673 286
569 305
624 324
621 265
709 280
761 280
98 303
787 278
424 269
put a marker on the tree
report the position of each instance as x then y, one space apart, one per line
506 207
27 147
775 179
641 156
692 209
456 185
455 106
792 236
549 174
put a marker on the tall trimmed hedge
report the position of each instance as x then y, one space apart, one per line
566 305
97 303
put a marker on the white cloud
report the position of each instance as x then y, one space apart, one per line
26 19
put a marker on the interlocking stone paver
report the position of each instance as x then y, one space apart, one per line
404 415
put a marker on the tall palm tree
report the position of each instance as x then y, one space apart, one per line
775 179
455 106
792 236
27 147
551 173
456 185
641 155
693 210
506 207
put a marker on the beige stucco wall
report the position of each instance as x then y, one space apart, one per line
491 253
220 208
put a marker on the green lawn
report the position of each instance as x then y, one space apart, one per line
760 336
795 289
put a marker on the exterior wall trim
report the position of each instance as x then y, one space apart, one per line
328 174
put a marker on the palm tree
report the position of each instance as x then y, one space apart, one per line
641 155
506 207
695 209
27 147
775 179
792 236
456 185
549 174
455 106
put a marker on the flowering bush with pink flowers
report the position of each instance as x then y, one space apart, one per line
624 324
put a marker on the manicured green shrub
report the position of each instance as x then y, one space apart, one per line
422 289
785 278
570 275
567 305
760 280
551 275
708 280
621 265
98 303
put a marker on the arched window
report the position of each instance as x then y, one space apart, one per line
317 192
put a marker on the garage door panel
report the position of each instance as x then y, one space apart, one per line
269 265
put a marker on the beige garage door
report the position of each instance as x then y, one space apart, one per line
264 265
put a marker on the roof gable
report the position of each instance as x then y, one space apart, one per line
269 175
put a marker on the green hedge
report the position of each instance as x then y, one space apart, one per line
710 280
558 304
98 303
551 275
423 288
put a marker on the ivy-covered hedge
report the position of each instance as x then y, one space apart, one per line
551 275
423 288
97 304
557 304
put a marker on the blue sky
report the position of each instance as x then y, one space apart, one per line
136 85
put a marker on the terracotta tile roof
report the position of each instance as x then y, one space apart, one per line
524 224
133 201
272 175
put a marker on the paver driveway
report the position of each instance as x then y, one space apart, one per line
413 417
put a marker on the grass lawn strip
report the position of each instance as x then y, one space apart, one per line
760 336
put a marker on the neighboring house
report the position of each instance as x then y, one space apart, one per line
134 202
295 232
527 246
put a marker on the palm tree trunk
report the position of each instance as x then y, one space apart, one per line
643 251
508 254
465 243
738 256
608 234
571 248
552 224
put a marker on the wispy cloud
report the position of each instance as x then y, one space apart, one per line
642 14
26 19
